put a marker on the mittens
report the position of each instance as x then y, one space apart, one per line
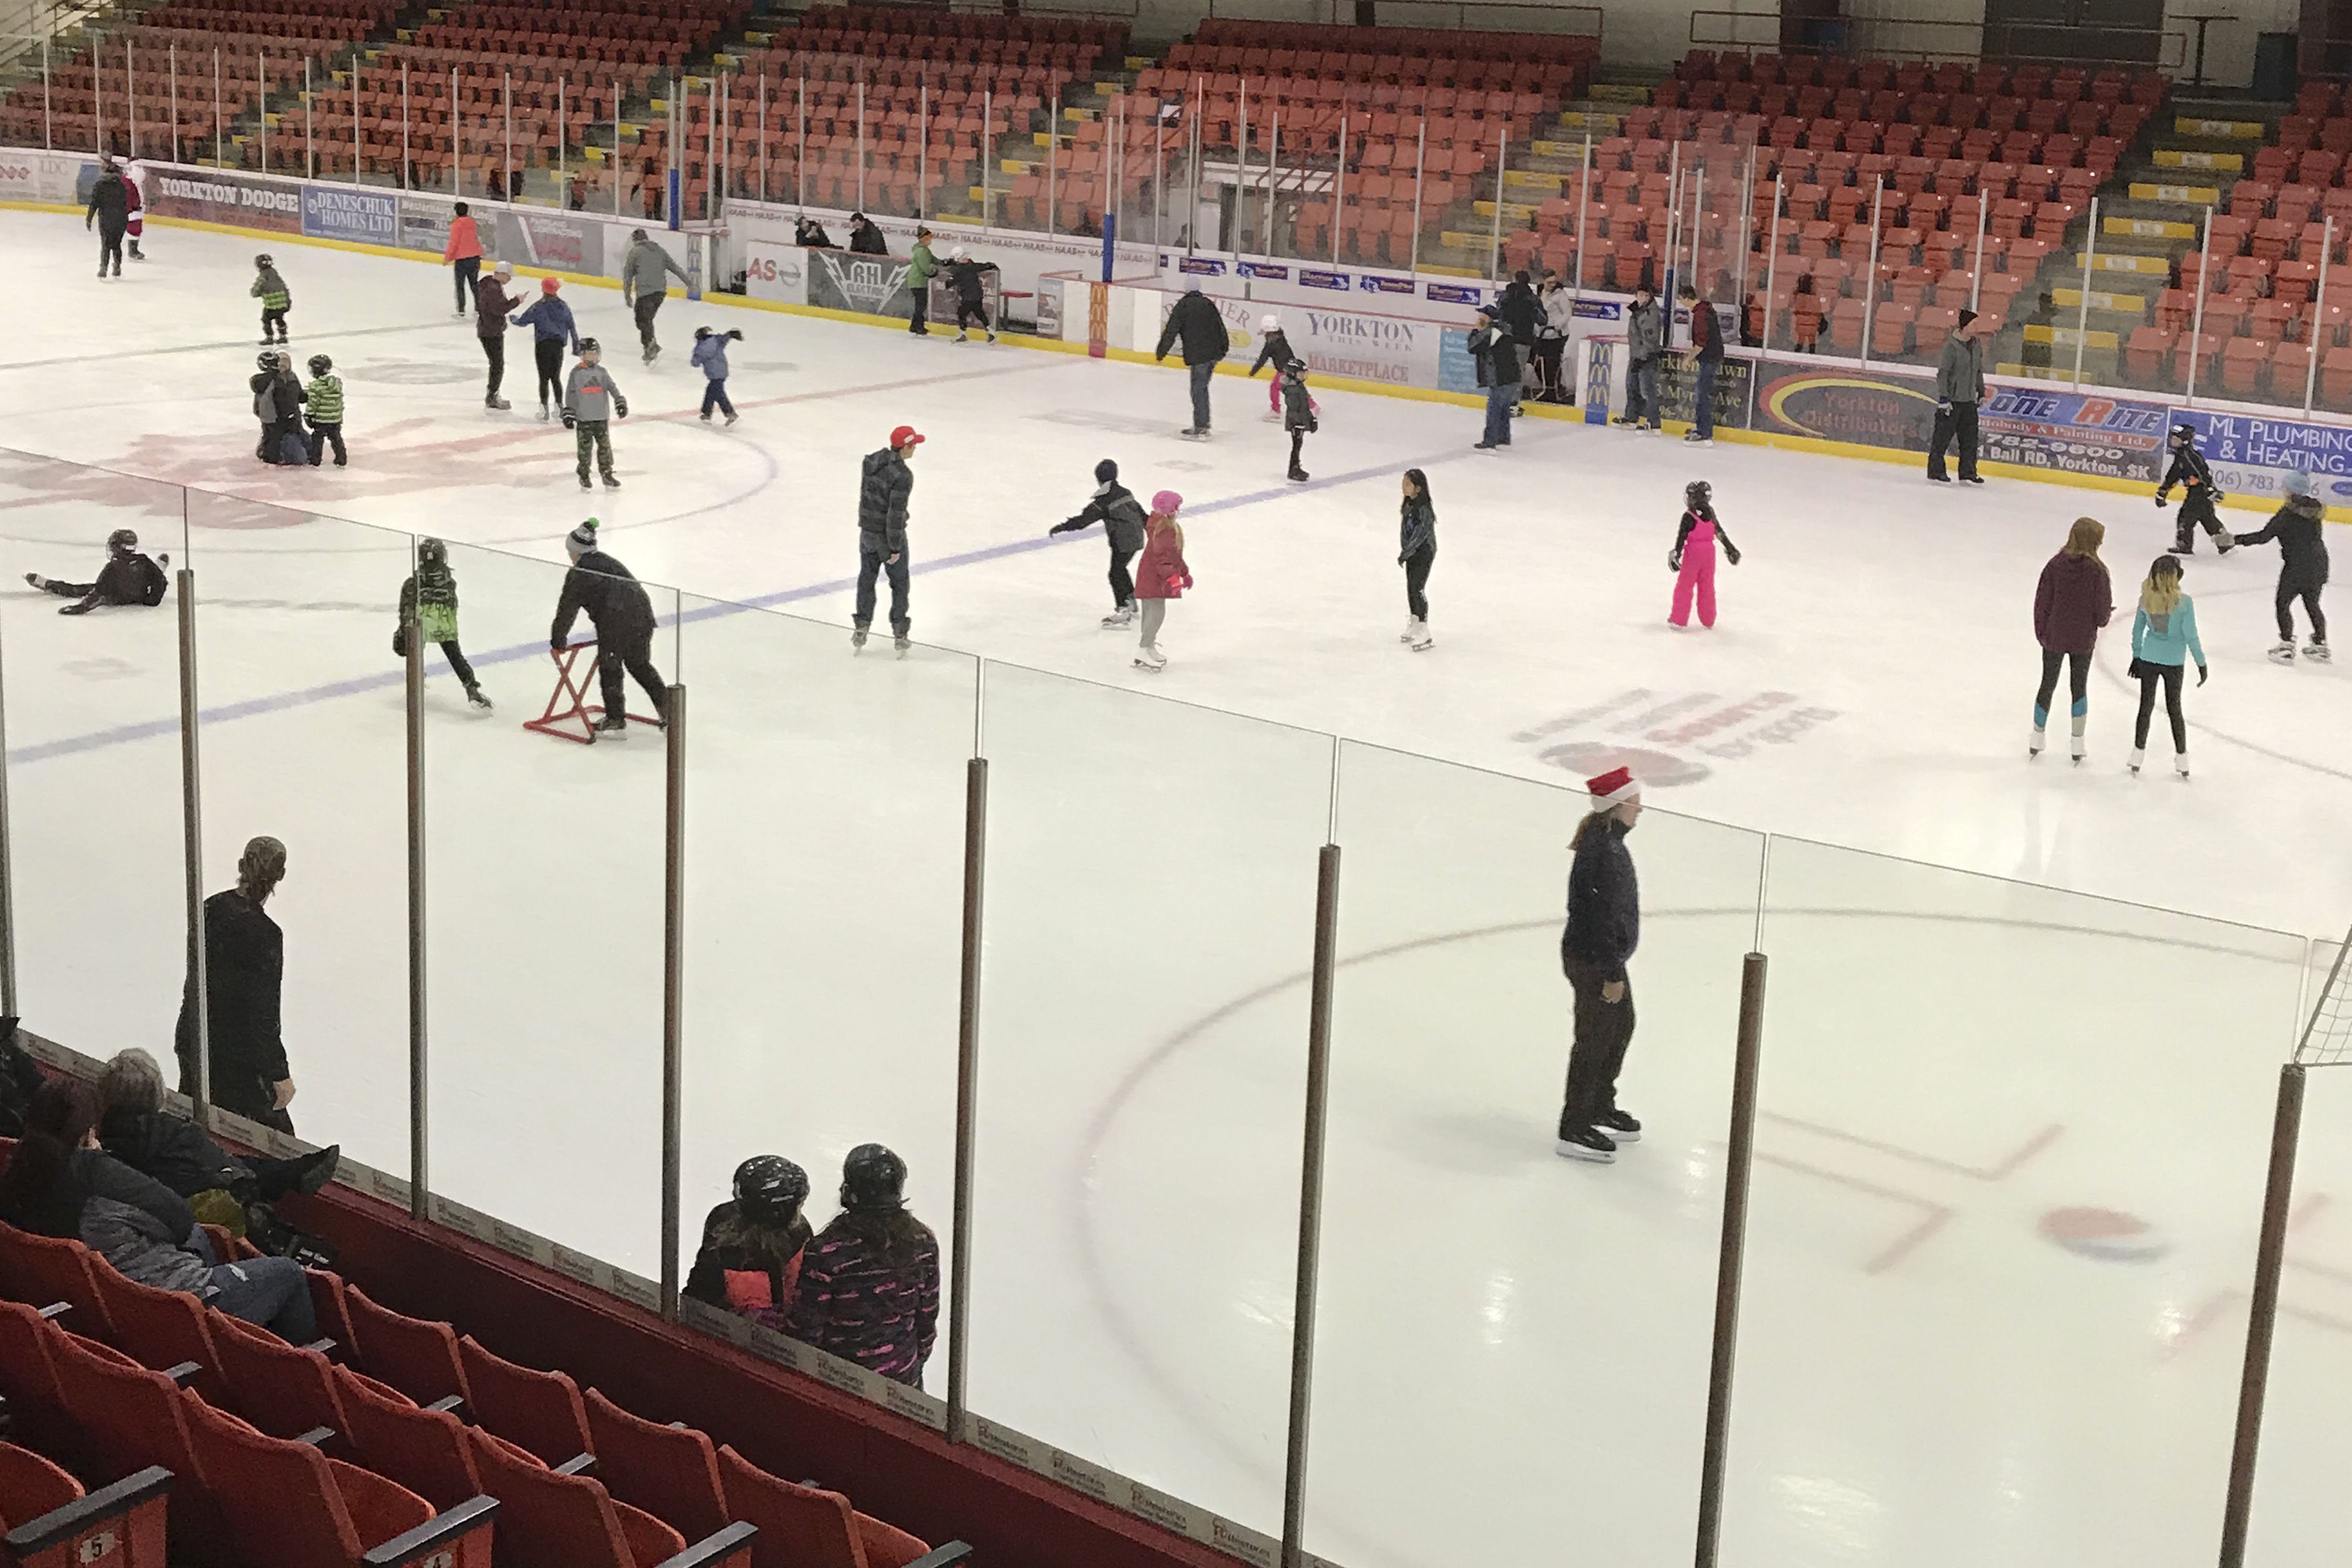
1731 552
620 405
1675 560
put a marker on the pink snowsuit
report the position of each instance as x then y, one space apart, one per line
1697 576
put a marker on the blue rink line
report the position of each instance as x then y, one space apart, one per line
357 685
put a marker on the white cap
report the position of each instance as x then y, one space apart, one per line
503 270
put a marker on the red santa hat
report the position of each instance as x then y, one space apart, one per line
1613 788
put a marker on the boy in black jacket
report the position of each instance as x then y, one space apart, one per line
1115 507
2197 495
1605 926
623 615
964 278
127 578
1297 414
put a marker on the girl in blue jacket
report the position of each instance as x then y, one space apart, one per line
2164 638
553 330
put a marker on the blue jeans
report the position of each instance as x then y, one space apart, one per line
1499 414
1705 399
1641 394
271 1291
1201 375
715 393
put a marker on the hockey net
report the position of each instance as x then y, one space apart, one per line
570 715
2328 1036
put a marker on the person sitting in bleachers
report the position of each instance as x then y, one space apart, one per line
61 1183
752 1245
869 1285
223 1189
20 1080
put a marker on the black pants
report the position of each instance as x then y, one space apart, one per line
1961 426
969 312
325 435
1604 1030
274 322
457 657
1122 582
465 274
1416 580
548 353
919 296
109 246
273 438
2078 684
648 305
631 653
495 350
1297 440
2290 589
2195 512
870 564
2150 677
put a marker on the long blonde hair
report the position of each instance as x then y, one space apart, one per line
2160 594
2085 537
1167 521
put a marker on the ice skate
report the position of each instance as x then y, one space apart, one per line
2224 544
1939 478
585 484
2180 764
1270 417
1972 479
857 638
36 580
479 699
612 724
1421 641
1618 1127
732 417
900 642
1586 1143
1195 433
992 337
705 418
1625 422
1149 657
2137 757
2078 751
1412 629
961 336
653 352
2318 652
118 266
1122 617
1296 475
612 482
1694 439
2282 653
542 413
136 254
102 269
496 404
461 313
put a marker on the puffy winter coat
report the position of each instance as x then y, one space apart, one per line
2072 600
1416 525
1197 321
1273 349
134 1222
1496 354
884 488
173 1150
2303 547
710 356
1604 903
129 580
431 594
1115 507
746 1267
1161 574
1297 403
871 1297
491 304
921 266
616 601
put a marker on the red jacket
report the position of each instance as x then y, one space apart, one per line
464 241
1162 573
2072 602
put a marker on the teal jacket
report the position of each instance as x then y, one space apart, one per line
2167 639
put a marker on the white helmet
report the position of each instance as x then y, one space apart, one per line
958 254
1270 324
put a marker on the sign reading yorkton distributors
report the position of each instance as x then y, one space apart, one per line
215 196
2252 454
346 212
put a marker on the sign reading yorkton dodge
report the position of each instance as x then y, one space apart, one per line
222 197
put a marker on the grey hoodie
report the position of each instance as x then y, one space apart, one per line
591 395
643 274
1645 332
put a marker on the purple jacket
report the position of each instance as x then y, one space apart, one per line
2072 602
859 1303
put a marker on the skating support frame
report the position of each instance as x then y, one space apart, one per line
569 706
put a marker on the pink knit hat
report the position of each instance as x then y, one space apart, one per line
1167 502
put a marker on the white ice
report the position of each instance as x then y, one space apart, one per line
1512 1355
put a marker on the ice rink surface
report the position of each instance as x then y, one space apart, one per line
2014 1134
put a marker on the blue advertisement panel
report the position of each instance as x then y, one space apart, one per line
2074 433
346 212
2252 454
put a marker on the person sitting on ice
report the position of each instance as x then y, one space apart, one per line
749 1262
127 578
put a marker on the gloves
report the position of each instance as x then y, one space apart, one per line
735 334
620 405
1731 552
570 419
2236 540
2162 501
1674 560
1066 526
1943 405
2200 675
556 649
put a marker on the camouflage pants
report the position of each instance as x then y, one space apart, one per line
595 436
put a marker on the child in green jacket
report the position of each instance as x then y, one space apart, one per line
324 398
276 300
429 597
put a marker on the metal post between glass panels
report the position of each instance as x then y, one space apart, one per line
220 123
2270 1257
129 95
1340 193
2082 315
1310 1204
714 151
1240 162
172 61
1273 178
1053 148
1420 155
2318 311
407 177
97 102
563 144
261 87
192 824
800 115
1975 279
419 1056
673 1144
975 870
1731 1257
987 126
1771 297
861 145
310 125
1583 200
48 136
1869 290
506 159
1502 169
617 146
1747 217
355 119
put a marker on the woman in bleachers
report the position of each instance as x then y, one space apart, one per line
62 1184
869 1283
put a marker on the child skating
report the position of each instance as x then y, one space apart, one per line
2303 566
1115 507
553 330
1692 557
591 401
2199 495
430 598
2164 638
324 397
275 297
963 277
1417 552
711 359
1273 349
1161 575
1297 414
127 578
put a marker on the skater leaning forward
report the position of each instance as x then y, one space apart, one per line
885 485
1605 926
622 613
428 600
2303 566
2199 495
1115 507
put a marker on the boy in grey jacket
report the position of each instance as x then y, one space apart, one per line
1645 342
1115 507
591 401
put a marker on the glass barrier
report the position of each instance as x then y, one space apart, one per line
1477 1290
304 740
94 780
1152 875
544 924
825 902
2010 1154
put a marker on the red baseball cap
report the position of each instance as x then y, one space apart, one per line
903 438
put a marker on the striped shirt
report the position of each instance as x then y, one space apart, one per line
326 398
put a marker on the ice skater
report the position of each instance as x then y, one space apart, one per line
711 359
623 615
1297 414
492 308
278 400
885 485
2164 638
2071 603
1497 355
2303 566
1692 557
922 266
127 578
1705 359
324 400
463 252
110 210
1161 576
1273 349
275 297
1960 388
1645 344
1115 507
971 292
552 329
134 211
1605 926
2199 495
1196 320
591 401
645 284
428 601
1417 552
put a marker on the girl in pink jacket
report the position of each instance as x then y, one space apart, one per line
1692 556
1160 574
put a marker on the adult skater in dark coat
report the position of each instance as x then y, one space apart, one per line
110 209
2197 495
1201 325
245 967
127 578
623 615
1115 507
1519 309
2303 566
1605 926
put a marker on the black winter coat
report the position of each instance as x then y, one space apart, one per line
884 486
109 203
1297 405
129 580
2298 527
1497 357
1604 903
2189 469
1115 507
245 964
1197 321
1518 310
963 277
281 396
173 1150
1273 349
616 601
865 240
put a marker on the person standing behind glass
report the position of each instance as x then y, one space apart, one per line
245 968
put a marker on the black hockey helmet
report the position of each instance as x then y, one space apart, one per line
432 550
321 365
590 346
1105 471
263 260
700 333
770 1189
266 359
122 541
1697 493
2184 435
873 1179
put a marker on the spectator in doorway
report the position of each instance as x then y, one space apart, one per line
1518 310
1551 339
1960 387
464 255
1706 358
245 967
1201 326
869 1283
865 237
807 231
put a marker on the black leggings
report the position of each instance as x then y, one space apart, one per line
1297 440
2078 682
2290 589
2150 677
1122 582
1416 579
457 657
969 312
549 354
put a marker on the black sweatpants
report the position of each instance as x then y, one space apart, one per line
1604 1030
2290 589
969 312
647 305
1958 425
2167 676
325 435
1416 580
273 323
2078 684
918 298
631 655
1122 580
2195 512
466 273
109 246
548 354
495 350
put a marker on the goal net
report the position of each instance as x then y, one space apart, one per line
2327 1037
